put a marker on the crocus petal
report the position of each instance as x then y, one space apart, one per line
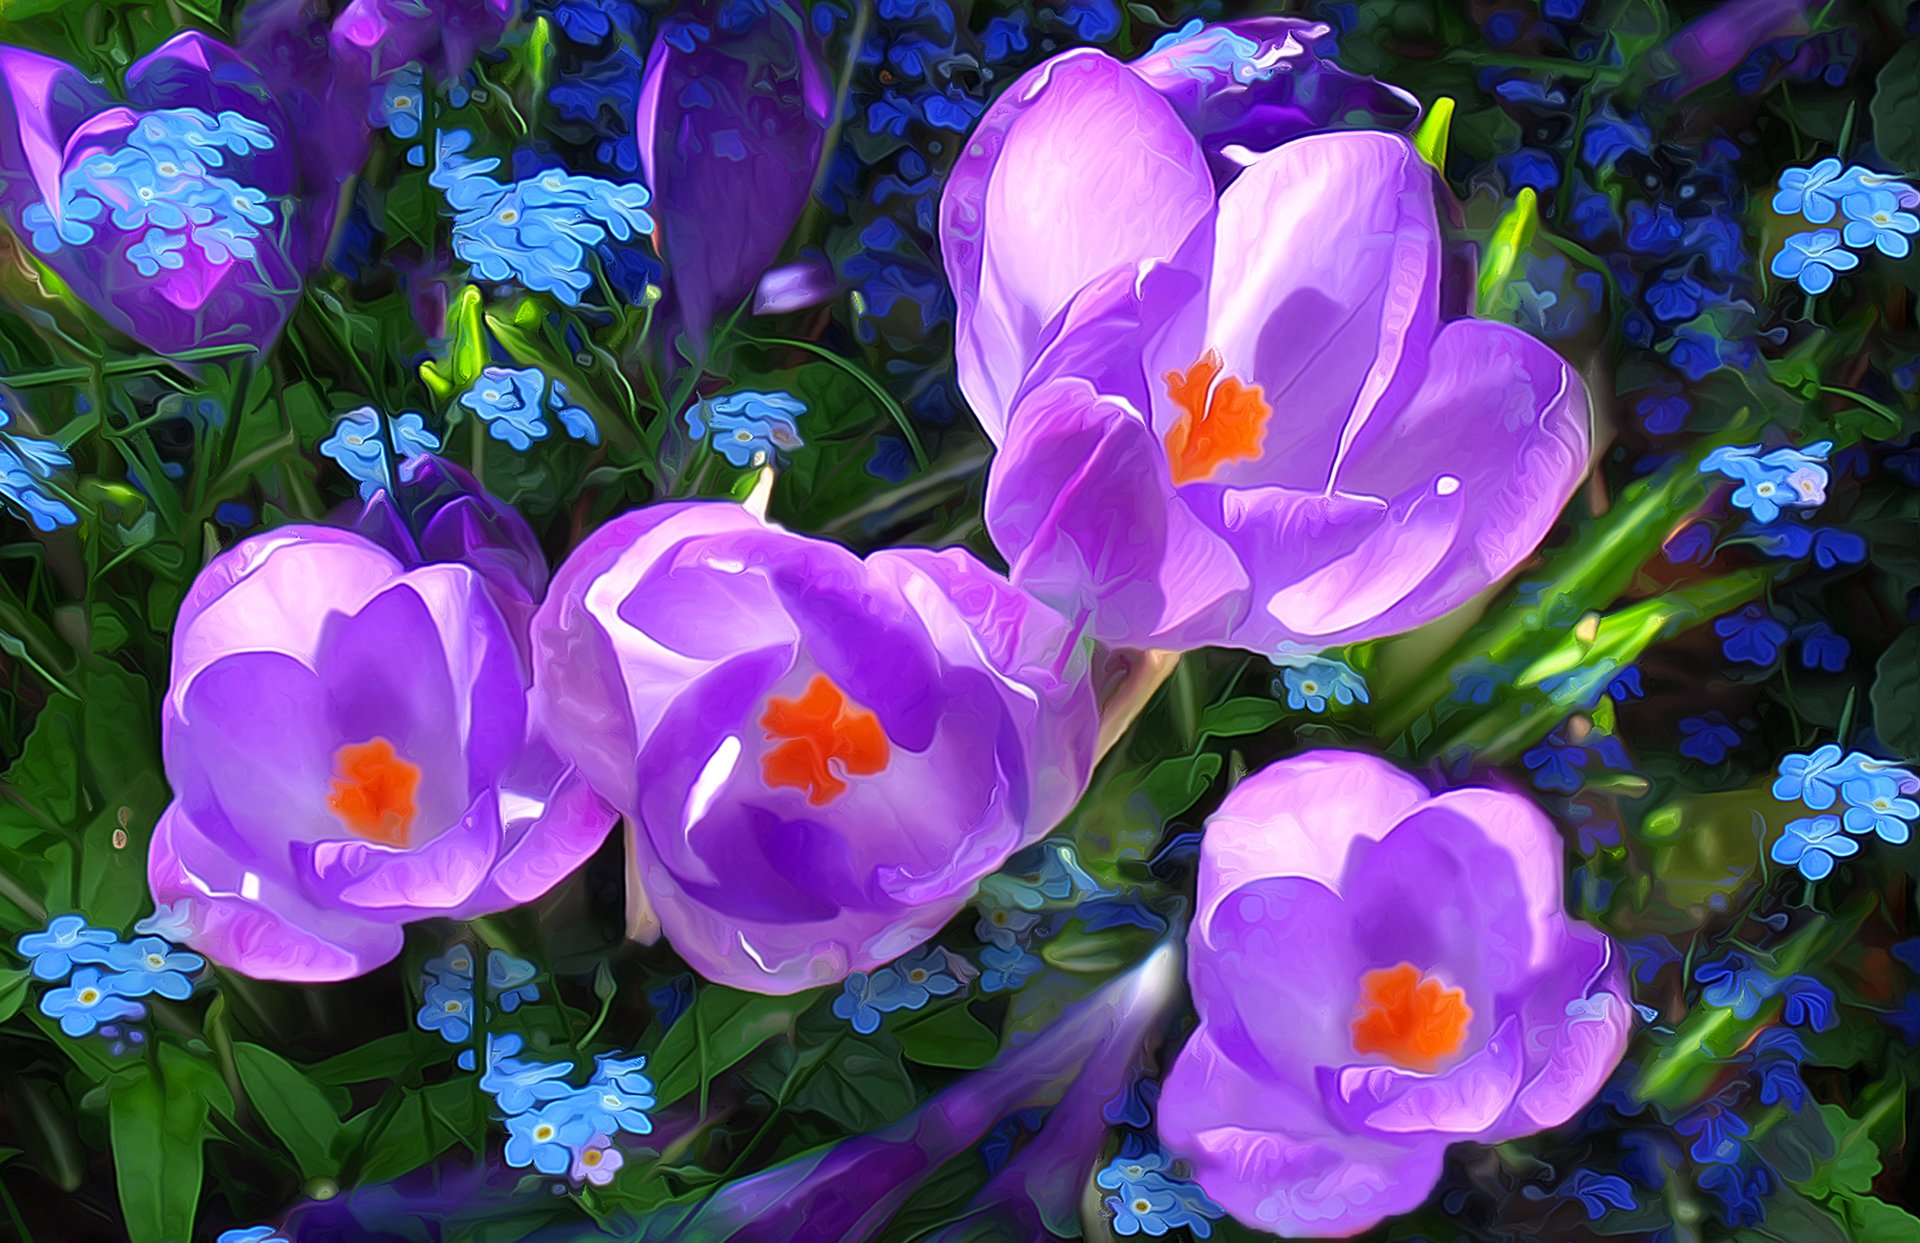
1322 273
407 883
1466 1099
1077 168
42 101
1577 1018
257 927
1245 87
192 70
1235 1129
1454 523
1301 818
1080 493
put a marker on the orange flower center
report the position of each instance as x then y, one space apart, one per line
823 731
1222 420
373 791
1412 1018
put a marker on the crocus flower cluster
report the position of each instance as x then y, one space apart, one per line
1190 313
103 980
559 1128
1878 215
1774 480
1379 971
1852 795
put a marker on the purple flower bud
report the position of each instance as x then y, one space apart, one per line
731 123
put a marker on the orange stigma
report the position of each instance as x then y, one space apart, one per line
1412 1018
1220 422
820 728
373 791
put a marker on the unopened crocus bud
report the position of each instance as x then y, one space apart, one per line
733 115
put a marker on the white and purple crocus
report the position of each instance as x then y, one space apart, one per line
819 755
1218 347
347 738
1380 971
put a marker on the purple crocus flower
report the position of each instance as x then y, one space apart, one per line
346 735
1379 971
819 755
732 120
1274 440
186 211
1087 162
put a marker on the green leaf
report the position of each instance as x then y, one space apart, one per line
859 1085
389 1057
1896 694
949 1037
1868 1217
425 1123
1177 784
293 1108
1431 138
158 1127
722 1026
1896 110
13 992
1249 714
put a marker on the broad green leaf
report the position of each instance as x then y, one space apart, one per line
1896 110
1177 784
423 1124
859 1085
1248 714
1896 694
158 1127
13 993
292 1107
722 1026
388 1057
949 1037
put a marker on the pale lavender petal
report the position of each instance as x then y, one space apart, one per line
1076 168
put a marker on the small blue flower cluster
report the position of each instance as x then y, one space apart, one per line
1878 217
514 403
1150 1197
1308 682
251 1234
1875 798
1558 764
558 1128
907 984
27 466
1773 480
537 231
400 107
448 1004
104 978
748 429
368 456
161 179
1737 983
